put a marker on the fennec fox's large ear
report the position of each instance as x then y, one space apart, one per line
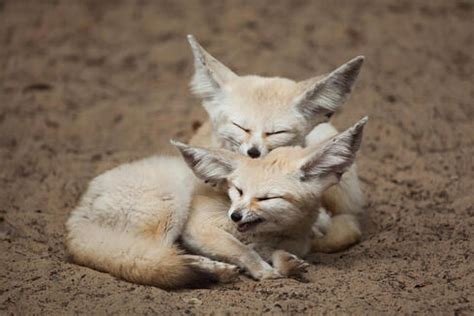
207 164
336 156
324 94
210 75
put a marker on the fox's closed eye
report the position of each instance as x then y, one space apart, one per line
242 128
275 133
239 190
266 198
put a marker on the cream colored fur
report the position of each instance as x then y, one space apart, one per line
130 218
266 113
344 202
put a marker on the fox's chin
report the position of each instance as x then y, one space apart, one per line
244 227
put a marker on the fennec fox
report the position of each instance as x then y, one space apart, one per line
253 115
130 220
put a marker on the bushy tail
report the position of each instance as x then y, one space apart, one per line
346 197
335 233
133 258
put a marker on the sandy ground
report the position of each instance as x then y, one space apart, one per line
87 85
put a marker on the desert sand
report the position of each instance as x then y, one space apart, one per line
87 85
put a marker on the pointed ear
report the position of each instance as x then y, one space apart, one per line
209 165
325 94
210 75
336 156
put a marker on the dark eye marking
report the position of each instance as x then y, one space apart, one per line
276 133
239 190
266 198
244 129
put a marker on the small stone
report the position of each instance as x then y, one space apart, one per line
194 301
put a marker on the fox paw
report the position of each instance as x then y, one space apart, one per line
225 272
268 274
288 264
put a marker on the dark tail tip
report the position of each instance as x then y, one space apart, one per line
200 279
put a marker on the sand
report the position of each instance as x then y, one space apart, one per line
87 85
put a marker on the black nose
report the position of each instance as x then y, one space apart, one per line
236 216
253 152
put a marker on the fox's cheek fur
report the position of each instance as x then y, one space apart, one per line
280 215
276 214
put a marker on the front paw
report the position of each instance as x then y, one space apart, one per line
288 264
270 274
265 272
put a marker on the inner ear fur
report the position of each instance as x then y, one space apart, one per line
323 95
207 164
210 75
336 156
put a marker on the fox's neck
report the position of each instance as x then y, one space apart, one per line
304 227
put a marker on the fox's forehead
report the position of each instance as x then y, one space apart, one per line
263 99
272 169
263 90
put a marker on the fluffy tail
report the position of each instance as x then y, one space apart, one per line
335 233
135 259
346 197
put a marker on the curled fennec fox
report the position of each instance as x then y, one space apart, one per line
253 115
130 219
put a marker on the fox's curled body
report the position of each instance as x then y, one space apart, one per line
129 220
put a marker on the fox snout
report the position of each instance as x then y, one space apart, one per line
245 219
236 216
253 152
253 149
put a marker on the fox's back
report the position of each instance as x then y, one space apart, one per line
133 195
